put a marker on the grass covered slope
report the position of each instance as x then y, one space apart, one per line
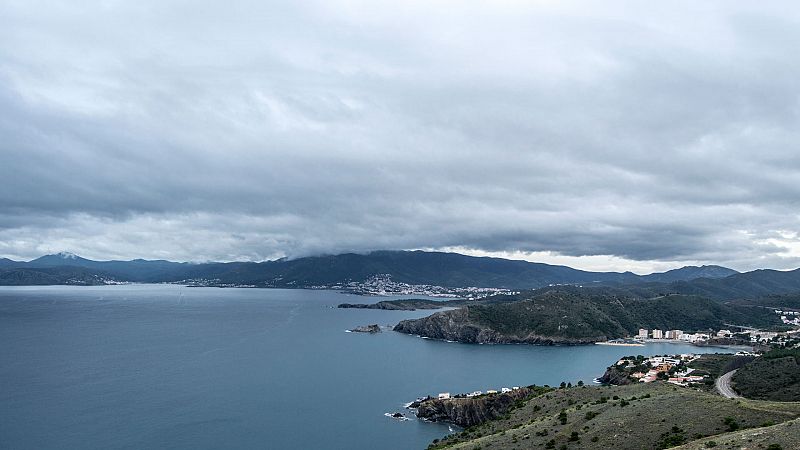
783 436
580 315
773 376
642 416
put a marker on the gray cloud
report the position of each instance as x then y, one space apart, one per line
254 130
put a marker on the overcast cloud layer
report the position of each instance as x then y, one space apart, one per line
607 135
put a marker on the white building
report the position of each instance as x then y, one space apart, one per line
444 396
658 334
674 334
642 333
694 337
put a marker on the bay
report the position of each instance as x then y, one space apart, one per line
165 366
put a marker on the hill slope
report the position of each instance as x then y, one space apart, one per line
689 273
53 276
591 418
773 376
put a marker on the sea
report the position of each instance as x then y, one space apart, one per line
174 367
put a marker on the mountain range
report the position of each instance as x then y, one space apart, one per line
412 267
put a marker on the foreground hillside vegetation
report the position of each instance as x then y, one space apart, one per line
773 376
641 416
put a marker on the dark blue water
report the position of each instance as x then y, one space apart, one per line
155 366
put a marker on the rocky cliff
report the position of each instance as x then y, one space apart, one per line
615 377
466 412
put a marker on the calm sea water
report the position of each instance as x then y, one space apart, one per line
153 366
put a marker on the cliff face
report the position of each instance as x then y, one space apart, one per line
450 325
456 325
615 377
466 412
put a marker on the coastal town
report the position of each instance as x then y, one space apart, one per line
670 368
383 285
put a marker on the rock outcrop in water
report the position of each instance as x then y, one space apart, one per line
466 412
374 328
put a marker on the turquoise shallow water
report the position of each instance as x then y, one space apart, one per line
161 366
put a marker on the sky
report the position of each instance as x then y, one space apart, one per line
606 135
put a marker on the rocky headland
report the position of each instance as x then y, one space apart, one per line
459 326
468 411
402 305
568 315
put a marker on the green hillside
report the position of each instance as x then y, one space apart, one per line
773 376
641 416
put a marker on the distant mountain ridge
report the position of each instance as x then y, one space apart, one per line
413 267
690 273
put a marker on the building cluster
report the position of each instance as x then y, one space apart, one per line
677 335
383 284
657 365
446 395
789 317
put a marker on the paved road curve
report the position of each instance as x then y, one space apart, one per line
723 385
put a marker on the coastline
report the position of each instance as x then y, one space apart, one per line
620 344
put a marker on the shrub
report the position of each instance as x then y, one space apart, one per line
732 424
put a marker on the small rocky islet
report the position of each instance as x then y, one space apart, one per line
373 328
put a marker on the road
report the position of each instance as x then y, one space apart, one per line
723 385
